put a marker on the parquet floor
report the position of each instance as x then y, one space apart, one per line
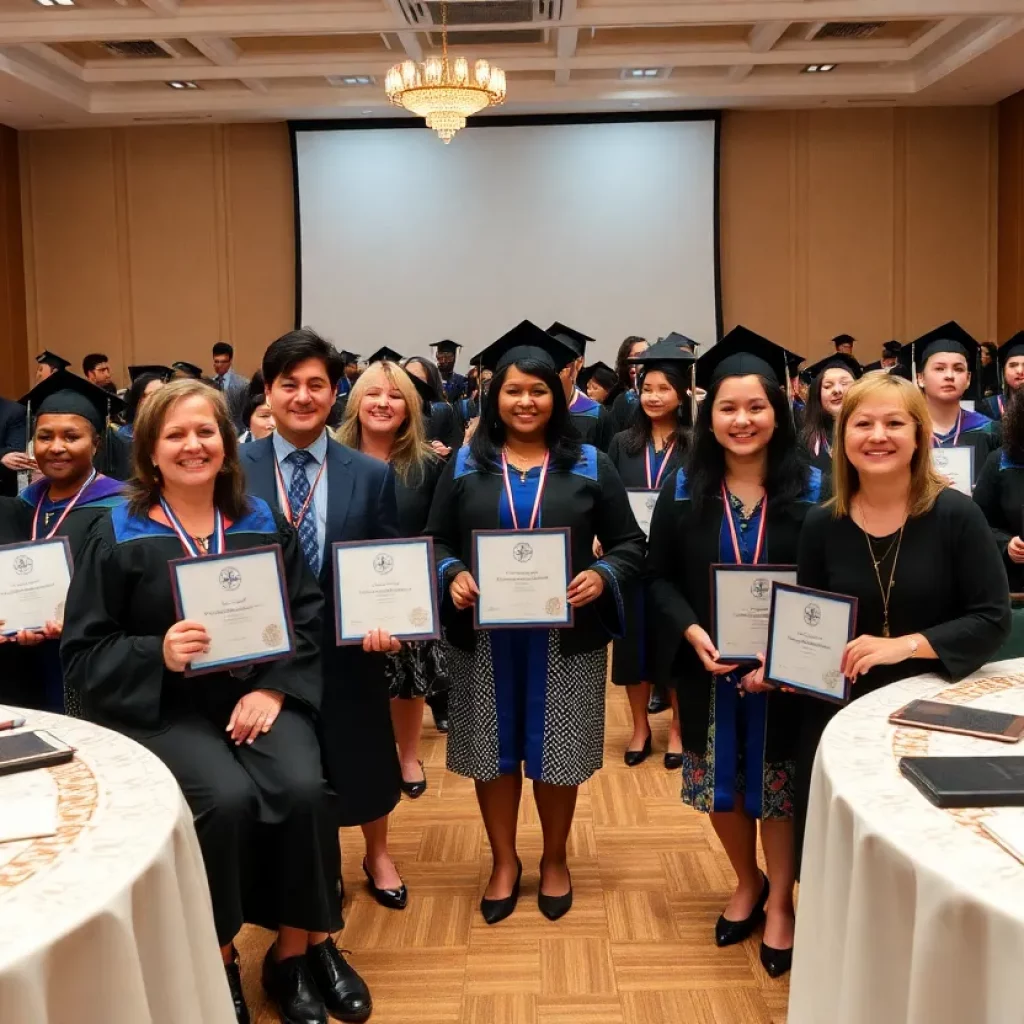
649 879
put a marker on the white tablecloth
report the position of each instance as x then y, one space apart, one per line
109 921
908 914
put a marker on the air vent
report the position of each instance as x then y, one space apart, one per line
849 29
511 38
137 48
427 13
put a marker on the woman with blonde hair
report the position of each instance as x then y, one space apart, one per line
384 419
918 556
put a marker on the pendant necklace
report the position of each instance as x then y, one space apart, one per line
876 562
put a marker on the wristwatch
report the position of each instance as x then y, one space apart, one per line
914 645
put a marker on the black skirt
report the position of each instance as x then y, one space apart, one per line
629 652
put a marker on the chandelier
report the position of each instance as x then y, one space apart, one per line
443 91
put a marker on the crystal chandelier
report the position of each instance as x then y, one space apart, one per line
443 91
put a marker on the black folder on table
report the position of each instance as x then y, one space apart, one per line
967 781
24 751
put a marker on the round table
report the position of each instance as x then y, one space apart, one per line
109 921
908 913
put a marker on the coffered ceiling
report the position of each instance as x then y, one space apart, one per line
112 61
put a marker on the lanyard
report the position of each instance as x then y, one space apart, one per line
67 508
1002 407
822 440
282 493
732 528
192 549
540 490
936 443
661 471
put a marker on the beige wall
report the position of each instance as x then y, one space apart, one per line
1011 216
13 352
152 243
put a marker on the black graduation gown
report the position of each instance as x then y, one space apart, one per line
623 409
629 652
12 439
680 551
589 499
949 586
993 407
443 425
414 498
593 421
119 608
1000 495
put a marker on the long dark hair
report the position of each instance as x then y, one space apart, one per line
638 433
136 393
432 372
786 475
1013 426
818 422
621 366
560 436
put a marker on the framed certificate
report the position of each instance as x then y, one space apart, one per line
740 602
523 576
385 585
34 581
957 465
642 503
807 634
240 598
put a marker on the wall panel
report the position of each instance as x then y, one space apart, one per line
1011 216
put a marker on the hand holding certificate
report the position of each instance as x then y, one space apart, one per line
956 464
34 581
239 598
807 637
741 599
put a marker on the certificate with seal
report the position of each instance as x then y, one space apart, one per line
642 503
385 584
807 634
240 598
523 576
34 581
957 465
740 602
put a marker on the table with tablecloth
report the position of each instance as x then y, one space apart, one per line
109 921
908 913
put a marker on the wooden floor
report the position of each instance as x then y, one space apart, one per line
649 879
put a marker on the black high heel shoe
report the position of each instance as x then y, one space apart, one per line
417 788
776 962
554 907
393 899
635 757
728 933
673 761
494 911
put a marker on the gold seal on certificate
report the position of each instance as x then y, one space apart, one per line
808 631
34 581
240 599
385 584
523 576
740 602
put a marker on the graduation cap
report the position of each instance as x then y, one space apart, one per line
677 339
385 354
349 357
666 350
588 372
55 362
424 390
843 339
526 341
446 346
838 360
950 337
149 369
67 393
1012 347
740 353
576 340
189 369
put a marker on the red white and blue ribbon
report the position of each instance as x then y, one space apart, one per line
661 471
67 508
188 543
540 490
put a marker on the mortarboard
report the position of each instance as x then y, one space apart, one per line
843 339
67 393
348 357
150 369
665 351
57 362
384 354
680 341
588 372
526 341
446 346
576 340
950 337
1012 347
838 360
740 353
423 389
189 369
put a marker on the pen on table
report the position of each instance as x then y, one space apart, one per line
12 723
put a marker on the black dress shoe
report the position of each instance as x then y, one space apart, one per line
657 703
415 789
345 993
673 762
554 907
237 996
776 962
635 757
728 933
393 899
291 987
441 724
494 911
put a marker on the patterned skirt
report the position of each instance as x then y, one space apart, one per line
417 670
516 703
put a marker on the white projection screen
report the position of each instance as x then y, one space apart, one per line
610 227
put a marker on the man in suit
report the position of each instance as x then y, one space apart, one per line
234 385
12 446
445 354
331 493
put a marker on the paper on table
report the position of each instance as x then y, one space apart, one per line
1006 827
27 817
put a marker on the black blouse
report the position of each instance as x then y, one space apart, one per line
1000 495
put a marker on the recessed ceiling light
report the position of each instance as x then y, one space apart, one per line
56 3
641 73
350 79
811 68
183 85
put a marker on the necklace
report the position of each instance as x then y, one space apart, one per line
885 591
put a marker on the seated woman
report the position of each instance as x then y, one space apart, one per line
918 556
241 744
70 414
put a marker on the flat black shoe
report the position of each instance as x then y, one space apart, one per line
776 962
393 899
345 994
657 703
441 724
554 907
494 911
415 789
635 757
292 989
673 762
728 933
237 996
